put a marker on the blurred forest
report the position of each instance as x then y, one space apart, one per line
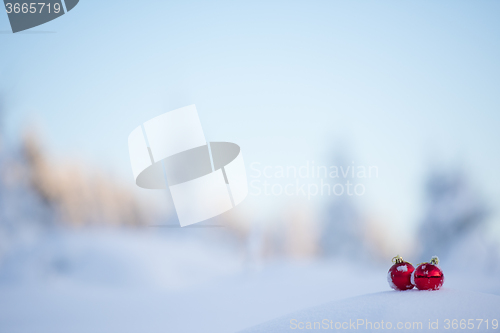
39 195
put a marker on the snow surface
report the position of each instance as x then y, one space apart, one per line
407 308
160 280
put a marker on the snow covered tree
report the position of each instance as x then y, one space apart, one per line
455 213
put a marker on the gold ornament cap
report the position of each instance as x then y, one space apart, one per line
398 259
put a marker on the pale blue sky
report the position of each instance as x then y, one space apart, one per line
396 83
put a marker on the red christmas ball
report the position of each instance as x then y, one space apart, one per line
428 276
399 275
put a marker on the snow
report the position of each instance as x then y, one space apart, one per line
402 268
388 309
389 280
158 281
181 280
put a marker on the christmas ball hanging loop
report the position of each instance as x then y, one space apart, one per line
397 259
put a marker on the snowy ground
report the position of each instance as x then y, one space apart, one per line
413 311
161 281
